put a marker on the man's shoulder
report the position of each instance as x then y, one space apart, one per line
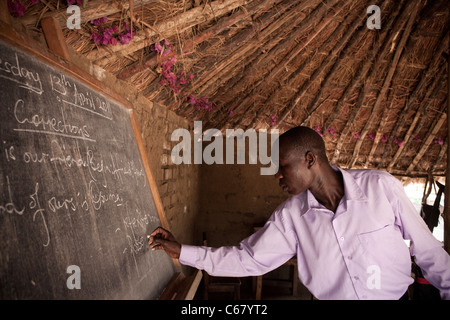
370 174
371 179
294 205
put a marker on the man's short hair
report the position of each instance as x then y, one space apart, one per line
303 139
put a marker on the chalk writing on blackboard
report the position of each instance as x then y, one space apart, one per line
13 71
73 189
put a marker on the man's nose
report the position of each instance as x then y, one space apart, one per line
278 175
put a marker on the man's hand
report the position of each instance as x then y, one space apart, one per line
161 239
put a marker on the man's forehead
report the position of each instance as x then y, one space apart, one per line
286 148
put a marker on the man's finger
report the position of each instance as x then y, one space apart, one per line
158 243
157 231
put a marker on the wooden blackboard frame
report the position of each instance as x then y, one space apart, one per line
180 287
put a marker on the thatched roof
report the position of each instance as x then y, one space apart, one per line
378 96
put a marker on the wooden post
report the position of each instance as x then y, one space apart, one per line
4 12
447 174
54 37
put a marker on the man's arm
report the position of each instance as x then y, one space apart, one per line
260 253
427 250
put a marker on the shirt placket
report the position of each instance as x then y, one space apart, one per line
347 241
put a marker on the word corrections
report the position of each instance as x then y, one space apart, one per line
73 185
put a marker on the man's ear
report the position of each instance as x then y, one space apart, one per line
311 158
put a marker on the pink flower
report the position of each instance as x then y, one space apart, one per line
371 136
439 140
168 64
274 119
99 21
158 47
192 100
112 41
16 8
163 49
202 103
384 138
172 78
125 38
318 129
78 2
107 36
97 37
399 143
331 131
357 135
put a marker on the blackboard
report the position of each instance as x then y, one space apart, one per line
76 204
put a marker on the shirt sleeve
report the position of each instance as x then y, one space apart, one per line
427 250
265 250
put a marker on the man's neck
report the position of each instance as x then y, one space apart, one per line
328 188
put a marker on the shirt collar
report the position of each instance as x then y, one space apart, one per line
352 192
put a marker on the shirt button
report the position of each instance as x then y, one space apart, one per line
356 277
342 238
349 257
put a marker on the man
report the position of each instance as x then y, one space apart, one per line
347 229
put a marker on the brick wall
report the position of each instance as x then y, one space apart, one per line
233 199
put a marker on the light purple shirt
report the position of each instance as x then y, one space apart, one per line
358 252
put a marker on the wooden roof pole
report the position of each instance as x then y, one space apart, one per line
437 124
165 29
379 103
416 125
353 95
328 66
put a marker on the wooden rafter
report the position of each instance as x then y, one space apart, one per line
274 39
331 65
440 156
291 74
360 79
434 129
325 66
241 46
151 59
413 101
94 9
412 130
386 84
166 29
